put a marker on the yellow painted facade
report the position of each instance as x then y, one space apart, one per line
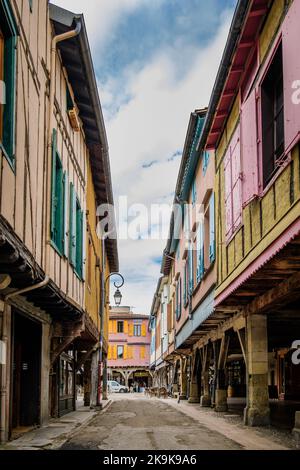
94 263
266 217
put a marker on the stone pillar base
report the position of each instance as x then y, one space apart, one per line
182 397
87 399
194 399
205 401
257 417
296 430
221 400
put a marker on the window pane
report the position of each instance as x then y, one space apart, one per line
120 327
272 116
120 352
2 87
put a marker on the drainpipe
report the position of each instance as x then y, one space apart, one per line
56 40
102 313
4 341
44 283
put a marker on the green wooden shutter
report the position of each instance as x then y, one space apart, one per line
72 230
79 225
83 244
53 190
9 27
212 241
9 108
65 215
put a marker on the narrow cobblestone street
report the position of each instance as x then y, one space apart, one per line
140 423
134 422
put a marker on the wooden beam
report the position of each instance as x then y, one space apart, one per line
278 295
242 339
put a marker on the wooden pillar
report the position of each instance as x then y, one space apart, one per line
87 379
194 396
221 388
205 400
94 378
45 373
104 385
257 411
183 380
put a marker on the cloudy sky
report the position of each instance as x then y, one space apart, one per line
156 62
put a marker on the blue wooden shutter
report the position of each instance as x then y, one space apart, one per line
180 297
72 230
205 162
200 252
212 238
53 190
191 269
66 212
194 193
185 282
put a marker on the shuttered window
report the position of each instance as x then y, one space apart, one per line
178 299
249 154
194 192
120 352
2 83
143 352
272 110
212 241
72 223
77 230
233 186
57 199
185 282
8 43
191 269
291 75
205 162
169 317
137 330
200 252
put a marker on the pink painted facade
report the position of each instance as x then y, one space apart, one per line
204 190
129 339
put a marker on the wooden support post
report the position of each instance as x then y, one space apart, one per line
221 389
257 412
194 396
205 400
183 379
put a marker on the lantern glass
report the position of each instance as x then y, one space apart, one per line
118 298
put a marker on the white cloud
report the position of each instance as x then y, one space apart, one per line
152 126
101 16
147 112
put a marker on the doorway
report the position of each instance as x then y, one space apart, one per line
26 373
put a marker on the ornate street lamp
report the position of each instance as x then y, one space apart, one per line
118 301
118 285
